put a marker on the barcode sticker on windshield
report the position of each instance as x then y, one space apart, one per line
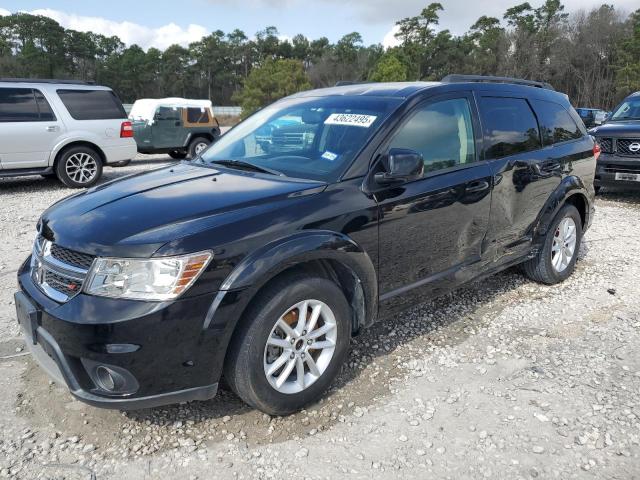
350 119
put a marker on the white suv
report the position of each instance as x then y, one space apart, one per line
64 128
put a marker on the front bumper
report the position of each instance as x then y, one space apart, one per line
163 347
609 164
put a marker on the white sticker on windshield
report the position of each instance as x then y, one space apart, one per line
329 156
350 119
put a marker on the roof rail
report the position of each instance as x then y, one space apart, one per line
455 78
343 83
47 80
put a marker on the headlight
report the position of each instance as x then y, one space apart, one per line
163 278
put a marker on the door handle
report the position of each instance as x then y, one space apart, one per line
52 128
477 186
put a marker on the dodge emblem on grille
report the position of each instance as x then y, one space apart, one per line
634 147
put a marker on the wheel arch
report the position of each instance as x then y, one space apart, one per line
570 191
330 255
78 143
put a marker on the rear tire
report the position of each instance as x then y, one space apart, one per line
197 146
178 155
79 167
294 356
556 260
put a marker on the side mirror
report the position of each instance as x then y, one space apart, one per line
402 165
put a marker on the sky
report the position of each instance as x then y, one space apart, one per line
159 24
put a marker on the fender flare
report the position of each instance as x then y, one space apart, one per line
64 143
570 186
262 265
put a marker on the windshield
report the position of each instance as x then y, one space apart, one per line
310 137
628 110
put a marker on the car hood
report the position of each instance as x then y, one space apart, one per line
615 129
136 215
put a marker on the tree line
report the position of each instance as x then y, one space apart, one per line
593 56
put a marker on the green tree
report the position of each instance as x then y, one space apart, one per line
417 35
270 82
389 69
628 65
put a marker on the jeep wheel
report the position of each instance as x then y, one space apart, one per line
79 167
197 146
556 260
292 344
178 155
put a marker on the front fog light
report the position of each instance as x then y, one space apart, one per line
162 278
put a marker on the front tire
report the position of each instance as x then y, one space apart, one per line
556 260
280 359
79 167
121 163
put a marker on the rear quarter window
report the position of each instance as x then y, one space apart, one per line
556 123
92 104
509 126
198 115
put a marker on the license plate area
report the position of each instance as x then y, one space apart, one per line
28 316
628 177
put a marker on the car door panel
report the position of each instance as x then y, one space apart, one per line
167 128
431 228
28 144
524 172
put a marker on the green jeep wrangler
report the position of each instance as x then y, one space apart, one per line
176 126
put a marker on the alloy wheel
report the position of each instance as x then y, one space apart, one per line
300 346
564 244
81 167
200 147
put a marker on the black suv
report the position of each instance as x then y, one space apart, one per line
619 139
259 265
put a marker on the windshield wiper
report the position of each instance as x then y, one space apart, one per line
242 165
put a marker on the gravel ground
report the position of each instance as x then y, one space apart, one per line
502 379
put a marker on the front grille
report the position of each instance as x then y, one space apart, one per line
606 144
71 257
62 284
628 147
57 271
615 168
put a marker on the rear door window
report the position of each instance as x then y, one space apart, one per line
509 125
92 104
46 114
18 105
556 123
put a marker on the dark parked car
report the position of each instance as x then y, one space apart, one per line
260 266
619 139
592 117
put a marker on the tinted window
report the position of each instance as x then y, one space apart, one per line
556 124
197 115
92 104
46 114
442 132
18 105
510 126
